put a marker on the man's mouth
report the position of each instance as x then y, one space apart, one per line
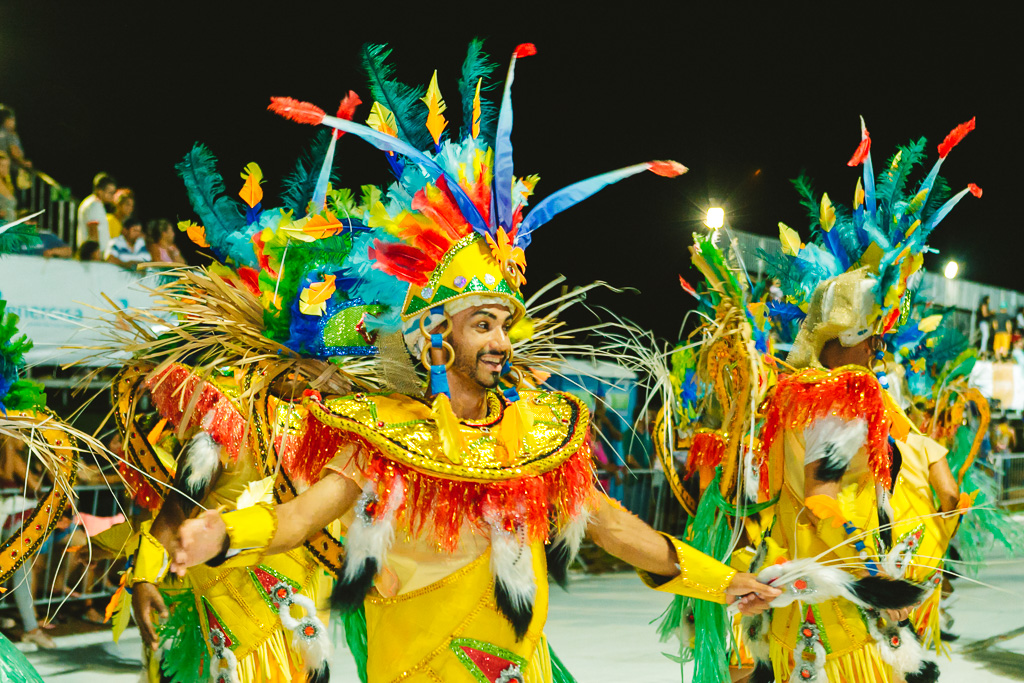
492 363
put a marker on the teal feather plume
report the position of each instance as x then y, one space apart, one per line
403 100
809 199
18 237
892 182
298 186
222 215
478 65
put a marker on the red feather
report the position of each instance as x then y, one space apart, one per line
347 109
668 169
300 112
404 262
974 189
955 136
688 288
250 278
525 50
862 151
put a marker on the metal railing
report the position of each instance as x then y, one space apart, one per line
62 572
1007 470
46 194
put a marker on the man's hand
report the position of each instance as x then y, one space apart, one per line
146 599
199 540
754 596
898 615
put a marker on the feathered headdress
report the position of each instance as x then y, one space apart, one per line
852 276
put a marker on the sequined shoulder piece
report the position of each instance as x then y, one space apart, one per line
402 429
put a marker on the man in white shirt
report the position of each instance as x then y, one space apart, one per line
128 249
92 212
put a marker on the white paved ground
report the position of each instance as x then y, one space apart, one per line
601 630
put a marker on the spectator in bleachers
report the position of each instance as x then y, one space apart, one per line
1018 351
49 246
10 143
92 212
984 319
128 249
90 251
160 241
1003 333
8 201
124 207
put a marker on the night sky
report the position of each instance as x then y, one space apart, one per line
744 95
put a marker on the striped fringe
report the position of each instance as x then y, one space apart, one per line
863 665
926 620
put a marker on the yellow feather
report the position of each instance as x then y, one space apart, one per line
476 109
436 122
790 240
251 192
858 196
313 299
382 119
448 428
930 323
515 429
917 202
914 226
828 214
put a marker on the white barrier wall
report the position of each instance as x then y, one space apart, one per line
56 300
1004 381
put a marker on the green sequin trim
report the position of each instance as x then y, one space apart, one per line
208 609
263 591
821 629
457 644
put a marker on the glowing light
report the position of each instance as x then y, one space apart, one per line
716 218
951 270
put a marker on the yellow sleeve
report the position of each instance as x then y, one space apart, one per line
250 531
700 576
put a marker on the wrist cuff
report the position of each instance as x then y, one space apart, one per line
151 559
700 576
250 531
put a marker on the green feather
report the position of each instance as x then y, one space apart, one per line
891 182
189 660
14 667
476 66
298 186
22 236
808 197
559 672
403 100
354 623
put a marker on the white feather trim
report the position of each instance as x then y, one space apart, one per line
754 634
572 534
371 539
808 581
751 476
897 645
201 461
815 667
512 565
834 438
224 654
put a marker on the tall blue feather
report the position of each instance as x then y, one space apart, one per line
320 192
569 196
503 167
388 143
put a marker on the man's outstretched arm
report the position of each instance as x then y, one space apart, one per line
204 537
663 563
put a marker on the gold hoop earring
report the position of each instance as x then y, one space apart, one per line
425 355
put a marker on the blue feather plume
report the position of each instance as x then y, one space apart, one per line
298 186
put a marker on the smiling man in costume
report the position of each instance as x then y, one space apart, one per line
458 501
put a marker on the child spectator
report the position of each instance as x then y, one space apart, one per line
128 249
160 242
10 143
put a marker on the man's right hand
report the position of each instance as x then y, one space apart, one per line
199 540
146 599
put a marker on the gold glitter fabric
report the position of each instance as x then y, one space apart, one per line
401 427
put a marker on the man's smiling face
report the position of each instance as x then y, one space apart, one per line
480 339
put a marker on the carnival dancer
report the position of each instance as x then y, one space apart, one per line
457 500
833 438
245 624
